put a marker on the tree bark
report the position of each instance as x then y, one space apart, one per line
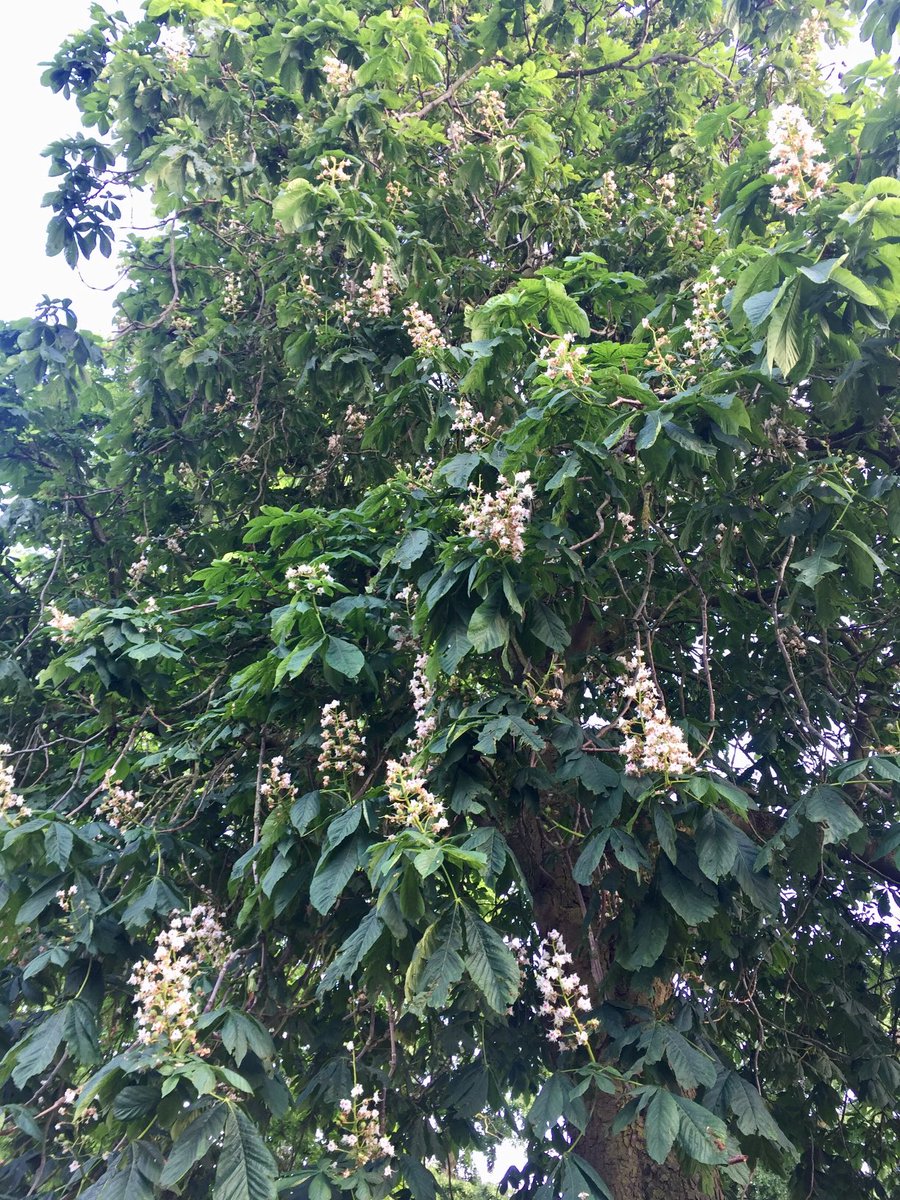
560 903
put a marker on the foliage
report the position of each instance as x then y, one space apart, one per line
477 350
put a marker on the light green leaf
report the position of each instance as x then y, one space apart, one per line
297 661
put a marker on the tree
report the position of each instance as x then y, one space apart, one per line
450 632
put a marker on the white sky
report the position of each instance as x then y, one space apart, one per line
35 117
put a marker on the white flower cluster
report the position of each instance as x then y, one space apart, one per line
355 420
665 190
563 360
626 521
12 805
456 135
472 424
360 1130
606 196
491 108
500 517
375 294
333 170
809 41
176 46
278 787
703 324
62 623
422 329
138 570
167 1007
308 577
412 803
120 808
652 742
691 227
232 295
565 998
343 746
339 75
793 158
396 192
65 896
422 697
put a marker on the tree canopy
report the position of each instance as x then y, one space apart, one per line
449 667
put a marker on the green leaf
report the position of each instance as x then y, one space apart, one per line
135 1102
58 843
193 1143
344 657
341 827
133 1176
297 661
487 630
646 940
717 843
649 431
547 627
827 806
241 1033
491 964
752 1114
688 440
565 315
783 340
700 1133
411 548
757 308
246 1170
304 811
661 1122
822 271
352 952
436 965
687 900
332 875
34 1055
854 286
81 1033
589 859
157 899
692 1068
579 1179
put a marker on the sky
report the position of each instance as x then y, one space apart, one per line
35 117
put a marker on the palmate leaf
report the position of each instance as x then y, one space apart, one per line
194 1143
437 964
491 964
661 1123
353 951
133 1176
33 1055
246 1170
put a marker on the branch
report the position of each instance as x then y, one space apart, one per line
447 94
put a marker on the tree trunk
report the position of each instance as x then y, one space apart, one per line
624 1165
620 1159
